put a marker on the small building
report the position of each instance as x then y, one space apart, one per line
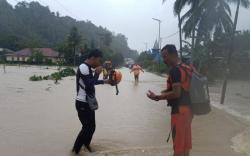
156 52
25 54
4 51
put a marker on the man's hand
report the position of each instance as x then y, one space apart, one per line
107 82
98 70
164 91
152 95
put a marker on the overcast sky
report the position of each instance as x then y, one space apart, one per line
132 18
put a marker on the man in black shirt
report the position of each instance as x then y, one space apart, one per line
85 87
178 99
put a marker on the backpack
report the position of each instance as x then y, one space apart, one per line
197 86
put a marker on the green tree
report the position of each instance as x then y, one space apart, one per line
245 4
202 18
36 57
177 11
74 40
107 39
20 28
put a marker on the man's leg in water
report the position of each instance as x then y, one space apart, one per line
87 118
186 152
136 78
183 153
179 154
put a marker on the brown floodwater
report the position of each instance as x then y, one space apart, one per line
39 118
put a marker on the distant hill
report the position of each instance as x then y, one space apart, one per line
34 25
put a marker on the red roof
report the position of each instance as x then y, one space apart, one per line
47 52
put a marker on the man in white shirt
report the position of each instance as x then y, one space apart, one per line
85 86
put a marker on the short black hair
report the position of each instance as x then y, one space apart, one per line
170 48
95 53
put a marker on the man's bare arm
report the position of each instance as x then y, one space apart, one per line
174 94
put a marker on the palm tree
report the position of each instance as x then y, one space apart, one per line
204 17
178 6
245 4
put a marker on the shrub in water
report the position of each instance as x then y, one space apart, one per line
55 76
36 78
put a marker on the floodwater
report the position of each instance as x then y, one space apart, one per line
237 103
39 118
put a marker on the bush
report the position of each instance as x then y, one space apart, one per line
55 76
36 78
46 77
67 72
48 62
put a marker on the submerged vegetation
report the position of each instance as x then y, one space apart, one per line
54 76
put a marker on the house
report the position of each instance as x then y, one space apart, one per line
25 54
156 52
4 51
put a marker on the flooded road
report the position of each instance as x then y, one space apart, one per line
39 118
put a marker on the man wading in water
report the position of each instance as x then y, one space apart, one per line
179 100
86 103
136 68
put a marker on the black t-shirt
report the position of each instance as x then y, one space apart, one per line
173 78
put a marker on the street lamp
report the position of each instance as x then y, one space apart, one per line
159 37
146 44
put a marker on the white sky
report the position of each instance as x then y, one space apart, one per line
133 18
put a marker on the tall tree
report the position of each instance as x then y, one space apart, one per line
178 6
74 40
204 16
245 4
33 25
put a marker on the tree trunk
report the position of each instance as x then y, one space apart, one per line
74 56
4 68
193 41
224 87
180 34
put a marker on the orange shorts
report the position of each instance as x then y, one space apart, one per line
181 130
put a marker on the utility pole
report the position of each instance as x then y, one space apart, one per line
146 45
180 34
159 37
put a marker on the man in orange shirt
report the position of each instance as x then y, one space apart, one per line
136 68
178 98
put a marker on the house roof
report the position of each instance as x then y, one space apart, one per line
4 51
47 52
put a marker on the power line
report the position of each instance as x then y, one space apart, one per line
16 1
171 35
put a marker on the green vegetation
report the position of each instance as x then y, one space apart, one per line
54 76
31 25
214 46
37 58
147 62
36 78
